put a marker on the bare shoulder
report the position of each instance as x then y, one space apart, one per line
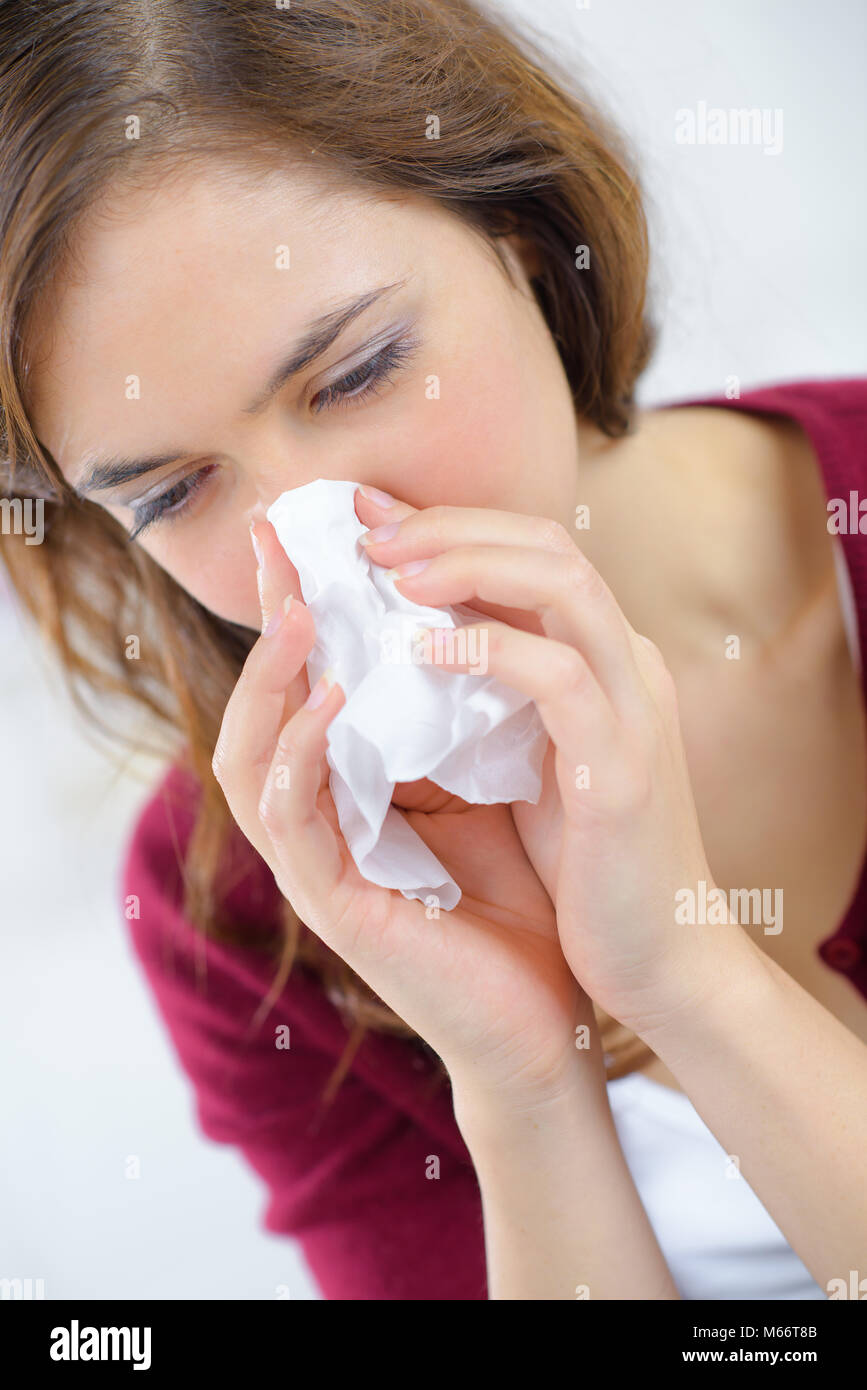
756 492
764 454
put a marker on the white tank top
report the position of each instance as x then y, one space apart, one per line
717 1238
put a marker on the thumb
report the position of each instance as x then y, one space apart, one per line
276 576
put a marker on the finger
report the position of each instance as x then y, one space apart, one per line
276 576
273 678
374 507
572 603
574 708
377 515
434 529
279 592
437 529
305 842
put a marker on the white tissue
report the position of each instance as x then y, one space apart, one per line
402 721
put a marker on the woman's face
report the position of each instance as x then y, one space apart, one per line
445 387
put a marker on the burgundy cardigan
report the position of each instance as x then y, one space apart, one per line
352 1184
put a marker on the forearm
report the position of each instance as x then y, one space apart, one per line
562 1216
782 1084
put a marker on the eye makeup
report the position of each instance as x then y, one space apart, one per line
369 376
170 503
357 385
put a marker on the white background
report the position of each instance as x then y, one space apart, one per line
759 272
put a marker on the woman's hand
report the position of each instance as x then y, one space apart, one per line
615 834
486 985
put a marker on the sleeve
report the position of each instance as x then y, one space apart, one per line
380 1206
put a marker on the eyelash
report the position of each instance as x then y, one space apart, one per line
367 379
170 503
356 385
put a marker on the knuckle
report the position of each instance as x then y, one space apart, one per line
552 535
243 693
580 574
660 678
654 655
496 636
219 762
635 785
268 810
435 521
571 672
666 690
288 748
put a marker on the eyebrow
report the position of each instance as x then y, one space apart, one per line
103 473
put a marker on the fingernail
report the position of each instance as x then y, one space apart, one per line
277 617
320 689
375 494
404 571
257 547
380 533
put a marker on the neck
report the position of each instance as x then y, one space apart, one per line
703 522
635 523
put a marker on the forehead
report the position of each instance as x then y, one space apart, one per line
192 287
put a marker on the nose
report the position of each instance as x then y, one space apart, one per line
267 487
270 482
271 470
264 486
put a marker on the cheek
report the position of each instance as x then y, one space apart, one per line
219 572
471 446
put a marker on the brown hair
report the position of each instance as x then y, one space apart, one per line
354 83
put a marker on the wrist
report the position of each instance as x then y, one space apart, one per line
489 1115
720 980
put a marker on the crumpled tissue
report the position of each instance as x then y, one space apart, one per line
404 718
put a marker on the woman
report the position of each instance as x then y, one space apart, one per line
247 247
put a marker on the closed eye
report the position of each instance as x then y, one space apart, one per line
172 502
357 385
367 378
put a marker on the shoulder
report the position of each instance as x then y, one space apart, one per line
794 443
821 393
746 482
831 413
